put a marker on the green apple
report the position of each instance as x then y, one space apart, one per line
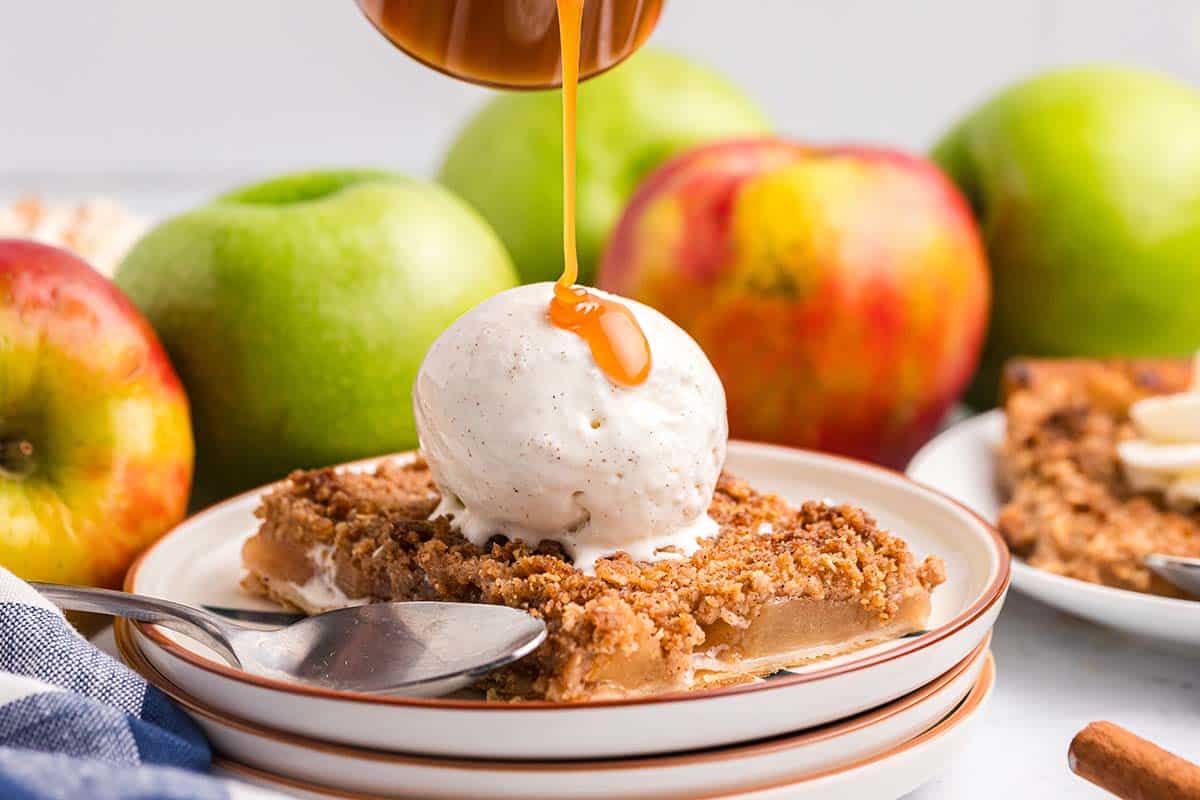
297 312
507 161
1086 183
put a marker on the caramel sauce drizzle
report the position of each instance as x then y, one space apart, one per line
612 333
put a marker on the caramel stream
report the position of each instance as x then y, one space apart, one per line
611 331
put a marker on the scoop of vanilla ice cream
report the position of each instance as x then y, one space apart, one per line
525 436
1166 455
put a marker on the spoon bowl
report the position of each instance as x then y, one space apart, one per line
420 649
1181 571
415 649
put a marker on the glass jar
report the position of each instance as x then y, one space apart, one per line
510 44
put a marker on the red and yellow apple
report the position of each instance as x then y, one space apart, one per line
95 437
841 293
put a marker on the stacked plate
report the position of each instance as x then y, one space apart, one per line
876 723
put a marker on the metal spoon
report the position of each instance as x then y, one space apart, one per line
412 649
1181 571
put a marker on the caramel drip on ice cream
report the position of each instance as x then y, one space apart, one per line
611 331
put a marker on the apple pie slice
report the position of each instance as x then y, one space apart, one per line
1071 508
778 585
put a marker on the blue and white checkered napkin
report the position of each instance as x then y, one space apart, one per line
75 723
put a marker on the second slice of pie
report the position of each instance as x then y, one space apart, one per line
1071 506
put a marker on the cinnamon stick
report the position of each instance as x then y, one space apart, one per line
1131 767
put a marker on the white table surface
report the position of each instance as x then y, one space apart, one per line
1055 674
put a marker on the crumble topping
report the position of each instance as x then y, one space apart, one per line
386 548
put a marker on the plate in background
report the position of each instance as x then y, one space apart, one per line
962 462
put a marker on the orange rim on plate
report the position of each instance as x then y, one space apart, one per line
962 713
993 592
132 654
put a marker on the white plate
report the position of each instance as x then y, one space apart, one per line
764 763
199 562
888 775
962 462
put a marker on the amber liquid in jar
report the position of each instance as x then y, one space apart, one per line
512 44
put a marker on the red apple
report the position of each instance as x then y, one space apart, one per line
841 293
95 437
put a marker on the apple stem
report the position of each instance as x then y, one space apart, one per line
16 457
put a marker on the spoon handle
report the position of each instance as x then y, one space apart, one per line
191 622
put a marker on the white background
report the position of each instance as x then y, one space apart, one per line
173 100
163 102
